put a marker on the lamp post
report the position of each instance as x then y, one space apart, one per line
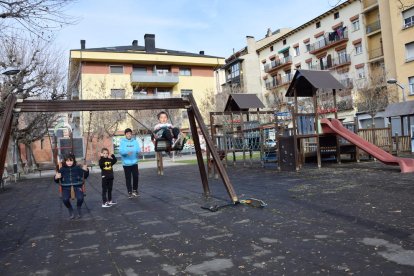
394 81
9 71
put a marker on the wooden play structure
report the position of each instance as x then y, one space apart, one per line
313 135
14 107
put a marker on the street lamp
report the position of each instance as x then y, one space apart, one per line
394 81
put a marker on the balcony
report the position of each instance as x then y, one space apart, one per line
329 40
373 27
277 64
271 83
342 60
154 78
348 83
286 79
369 5
375 55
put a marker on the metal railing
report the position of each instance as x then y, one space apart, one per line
277 63
327 40
373 27
165 77
375 53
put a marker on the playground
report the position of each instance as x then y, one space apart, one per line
346 219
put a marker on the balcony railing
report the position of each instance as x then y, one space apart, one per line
271 83
277 63
286 79
328 40
154 77
373 27
348 83
375 53
334 63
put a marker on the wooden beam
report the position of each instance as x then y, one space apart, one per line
198 151
210 145
5 130
100 105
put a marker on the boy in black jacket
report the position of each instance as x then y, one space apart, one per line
106 163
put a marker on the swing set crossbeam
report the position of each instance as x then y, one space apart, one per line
100 105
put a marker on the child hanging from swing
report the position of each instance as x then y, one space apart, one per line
70 175
167 131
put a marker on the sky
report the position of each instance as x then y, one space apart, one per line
216 27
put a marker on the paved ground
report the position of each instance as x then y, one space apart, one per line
349 219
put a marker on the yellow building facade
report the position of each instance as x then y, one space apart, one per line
135 72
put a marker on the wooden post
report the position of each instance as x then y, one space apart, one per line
199 154
242 137
213 136
357 152
318 146
195 113
294 110
160 165
338 145
397 143
5 130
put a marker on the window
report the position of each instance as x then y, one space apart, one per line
297 53
234 70
408 16
118 93
309 65
307 46
139 70
163 93
336 15
163 71
355 25
116 69
358 48
360 72
284 41
411 85
409 51
186 92
271 48
343 57
185 71
318 24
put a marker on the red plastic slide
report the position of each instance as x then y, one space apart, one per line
335 126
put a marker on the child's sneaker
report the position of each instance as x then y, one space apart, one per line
178 141
112 202
106 205
130 195
135 193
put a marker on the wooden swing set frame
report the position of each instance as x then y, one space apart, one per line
15 106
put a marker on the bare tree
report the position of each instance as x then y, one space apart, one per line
372 94
38 17
41 76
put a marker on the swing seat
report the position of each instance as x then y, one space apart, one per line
162 144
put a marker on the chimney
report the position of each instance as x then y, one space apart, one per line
83 43
149 43
135 43
202 53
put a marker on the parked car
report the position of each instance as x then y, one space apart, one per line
270 143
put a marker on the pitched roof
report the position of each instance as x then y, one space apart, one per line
242 102
306 82
141 50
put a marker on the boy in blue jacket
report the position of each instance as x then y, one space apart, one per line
129 149
71 175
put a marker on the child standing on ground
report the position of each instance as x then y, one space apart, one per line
167 131
106 164
70 175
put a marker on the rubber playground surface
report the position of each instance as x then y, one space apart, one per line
347 219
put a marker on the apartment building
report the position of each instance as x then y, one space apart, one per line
333 41
241 72
139 71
